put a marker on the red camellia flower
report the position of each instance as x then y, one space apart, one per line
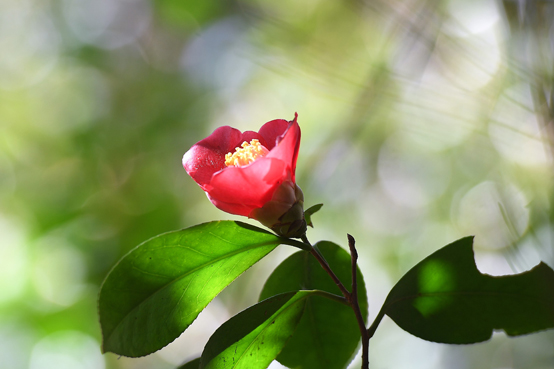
252 174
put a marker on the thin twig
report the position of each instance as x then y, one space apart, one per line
354 258
351 297
327 269
355 304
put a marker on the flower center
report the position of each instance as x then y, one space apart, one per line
246 154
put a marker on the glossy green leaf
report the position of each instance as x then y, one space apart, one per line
446 299
194 364
328 334
157 290
309 212
253 338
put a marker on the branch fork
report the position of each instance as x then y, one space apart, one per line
350 297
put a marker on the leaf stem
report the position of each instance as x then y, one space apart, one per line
332 296
371 330
351 298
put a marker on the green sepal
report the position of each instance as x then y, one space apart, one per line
309 212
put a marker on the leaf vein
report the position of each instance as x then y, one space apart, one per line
178 278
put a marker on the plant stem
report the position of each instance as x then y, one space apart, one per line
355 305
351 298
315 252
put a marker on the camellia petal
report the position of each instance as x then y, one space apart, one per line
272 132
287 146
265 189
253 185
208 156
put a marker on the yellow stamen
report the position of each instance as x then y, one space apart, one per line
247 154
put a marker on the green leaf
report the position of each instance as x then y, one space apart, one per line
253 338
446 299
309 212
157 290
194 364
328 334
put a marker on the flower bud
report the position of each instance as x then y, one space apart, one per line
284 213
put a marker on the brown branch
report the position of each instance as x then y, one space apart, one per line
355 304
351 297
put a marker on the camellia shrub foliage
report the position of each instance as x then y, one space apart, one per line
312 311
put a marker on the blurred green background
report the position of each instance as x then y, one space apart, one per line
422 121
